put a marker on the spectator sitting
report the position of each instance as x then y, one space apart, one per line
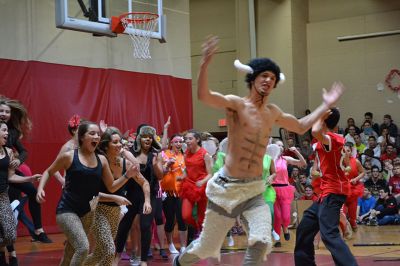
394 183
388 122
364 205
367 132
287 152
301 183
385 138
350 135
385 211
375 183
390 152
368 116
387 170
294 175
307 151
309 194
373 145
368 160
359 145
351 123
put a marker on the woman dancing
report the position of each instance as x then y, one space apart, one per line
8 232
84 171
105 223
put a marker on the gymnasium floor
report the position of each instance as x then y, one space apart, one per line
50 254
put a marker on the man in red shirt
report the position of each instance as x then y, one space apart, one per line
390 153
394 183
309 194
324 214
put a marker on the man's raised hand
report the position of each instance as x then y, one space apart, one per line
332 96
209 48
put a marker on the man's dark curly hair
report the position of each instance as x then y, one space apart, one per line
260 65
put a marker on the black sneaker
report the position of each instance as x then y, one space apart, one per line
163 254
286 236
12 261
42 237
3 259
150 253
278 244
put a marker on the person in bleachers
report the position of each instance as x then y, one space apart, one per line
368 116
359 145
309 194
375 183
351 123
364 206
385 138
394 183
388 122
351 131
385 211
367 132
389 153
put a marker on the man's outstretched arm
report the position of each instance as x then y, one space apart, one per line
301 126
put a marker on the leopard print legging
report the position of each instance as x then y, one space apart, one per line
8 233
76 230
104 229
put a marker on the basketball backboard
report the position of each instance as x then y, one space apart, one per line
94 16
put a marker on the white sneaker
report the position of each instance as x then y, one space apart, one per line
182 249
275 236
231 241
14 204
172 249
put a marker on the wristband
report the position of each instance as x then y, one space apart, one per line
126 177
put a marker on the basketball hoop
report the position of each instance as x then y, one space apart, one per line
139 26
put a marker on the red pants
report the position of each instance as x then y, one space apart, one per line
351 204
187 209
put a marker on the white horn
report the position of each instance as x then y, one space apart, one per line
242 67
282 78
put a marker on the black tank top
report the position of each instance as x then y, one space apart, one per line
119 192
4 164
82 183
134 190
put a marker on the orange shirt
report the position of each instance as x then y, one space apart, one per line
169 183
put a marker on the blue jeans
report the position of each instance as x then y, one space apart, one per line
324 217
388 219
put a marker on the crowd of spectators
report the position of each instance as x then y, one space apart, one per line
377 147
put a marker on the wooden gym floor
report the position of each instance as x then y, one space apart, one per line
50 254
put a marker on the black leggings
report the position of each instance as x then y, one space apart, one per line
158 211
172 207
145 226
15 190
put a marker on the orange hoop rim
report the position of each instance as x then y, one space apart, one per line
154 16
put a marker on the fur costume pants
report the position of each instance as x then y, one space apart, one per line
220 217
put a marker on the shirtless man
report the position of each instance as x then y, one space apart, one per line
236 190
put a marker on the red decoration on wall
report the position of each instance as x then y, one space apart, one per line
389 80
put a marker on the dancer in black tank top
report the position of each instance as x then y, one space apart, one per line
151 169
85 170
8 232
108 211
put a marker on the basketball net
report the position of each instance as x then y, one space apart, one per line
141 25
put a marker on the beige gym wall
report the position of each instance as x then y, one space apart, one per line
359 64
301 36
28 33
